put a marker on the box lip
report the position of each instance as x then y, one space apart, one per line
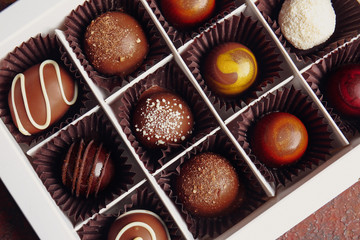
29 193
36 10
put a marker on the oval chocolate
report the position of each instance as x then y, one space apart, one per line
138 224
41 96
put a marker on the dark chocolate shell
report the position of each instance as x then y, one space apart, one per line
87 169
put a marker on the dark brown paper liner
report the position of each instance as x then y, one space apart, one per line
48 161
146 199
294 102
172 78
29 53
246 31
77 22
180 37
347 26
318 74
212 227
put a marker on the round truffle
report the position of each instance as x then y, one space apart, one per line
230 69
307 23
138 225
186 14
279 139
40 96
161 118
208 185
87 169
343 90
115 44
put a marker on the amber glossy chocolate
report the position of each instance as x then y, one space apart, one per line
40 96
161 118
279 139
230 69
208 185
343 90
115 44
138 225
87 168
187 14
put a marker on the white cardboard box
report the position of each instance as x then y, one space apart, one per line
290 206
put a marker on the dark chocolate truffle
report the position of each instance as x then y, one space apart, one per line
343 90
187 14
87 169
115 44
161 118
138 225
279 139
229 69
41 96
208 185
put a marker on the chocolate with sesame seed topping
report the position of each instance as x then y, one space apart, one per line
161 118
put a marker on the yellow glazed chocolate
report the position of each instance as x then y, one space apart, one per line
230 69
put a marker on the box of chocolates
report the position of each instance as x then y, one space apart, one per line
162 119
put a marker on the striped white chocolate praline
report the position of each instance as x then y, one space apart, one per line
138 226
21 77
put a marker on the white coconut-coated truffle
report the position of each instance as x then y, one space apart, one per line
307 23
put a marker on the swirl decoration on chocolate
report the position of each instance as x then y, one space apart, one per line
21 77
138 225
230 69
240 61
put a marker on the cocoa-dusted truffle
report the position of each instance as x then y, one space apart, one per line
279 139
208 185
115 44
161 117
138 224
343 90
187 14
307 23
229 69
40 96
87 168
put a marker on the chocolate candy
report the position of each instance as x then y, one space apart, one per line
343 90
138 225
229 69
40 96
208 185
306 24
187 14
279 139
161 118
87 169
115 44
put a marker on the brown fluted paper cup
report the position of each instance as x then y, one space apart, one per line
347 26
77 22
48 161
248 200
291 101
32 52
